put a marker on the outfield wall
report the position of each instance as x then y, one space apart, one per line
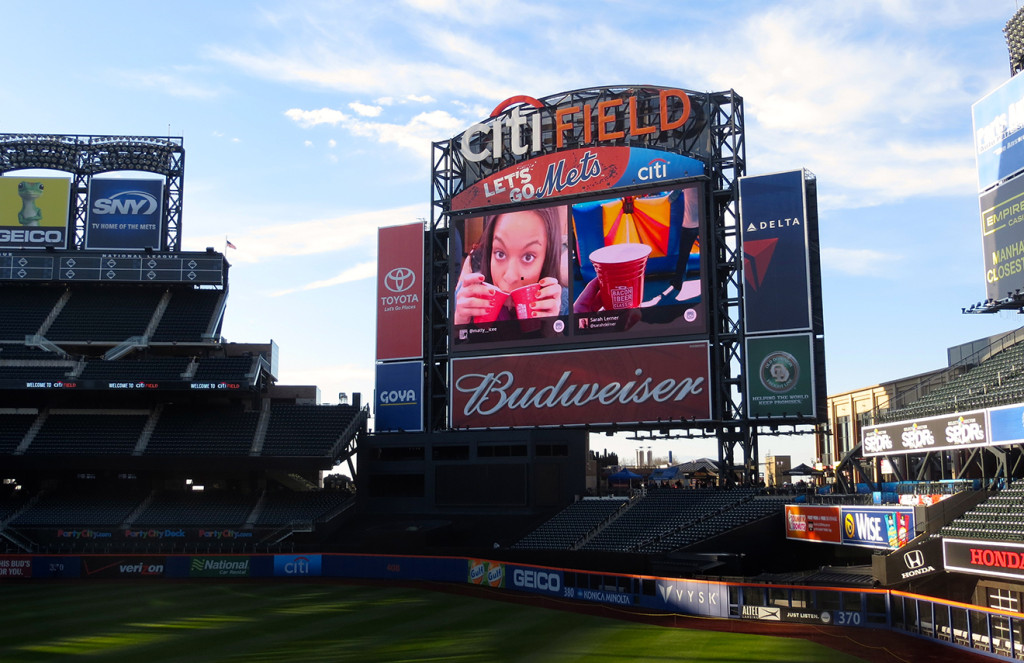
997 633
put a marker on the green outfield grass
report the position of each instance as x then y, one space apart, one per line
307 621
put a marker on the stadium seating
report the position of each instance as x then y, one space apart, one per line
86 434
998 380
187 430
999 518
189 316
25 310
306 430
573 523
104 315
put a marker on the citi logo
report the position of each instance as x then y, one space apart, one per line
399 279
126 202
914 559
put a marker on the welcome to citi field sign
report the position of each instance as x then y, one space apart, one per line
582 142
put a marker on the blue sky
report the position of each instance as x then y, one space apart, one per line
307 125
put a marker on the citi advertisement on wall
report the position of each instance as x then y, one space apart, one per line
34 212
124 214
399 397
656 383
297 565
400 292
780 376
776 259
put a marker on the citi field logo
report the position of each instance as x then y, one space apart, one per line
399 279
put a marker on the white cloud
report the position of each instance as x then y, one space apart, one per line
365 270
856 262
365 110
177 83
267 240
416 135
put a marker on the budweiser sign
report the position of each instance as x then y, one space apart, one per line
646 384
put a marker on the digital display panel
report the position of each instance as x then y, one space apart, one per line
592 272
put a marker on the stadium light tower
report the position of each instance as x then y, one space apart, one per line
1014 33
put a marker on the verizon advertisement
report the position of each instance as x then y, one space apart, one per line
639 384
776 259
988 558
954 431
400 292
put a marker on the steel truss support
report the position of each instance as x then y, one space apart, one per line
87 156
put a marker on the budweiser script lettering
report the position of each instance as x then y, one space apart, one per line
492 392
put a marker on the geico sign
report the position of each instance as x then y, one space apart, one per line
548 582
31 236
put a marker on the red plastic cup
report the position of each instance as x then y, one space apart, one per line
494 304
620 271
523 299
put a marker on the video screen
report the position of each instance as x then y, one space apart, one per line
592 272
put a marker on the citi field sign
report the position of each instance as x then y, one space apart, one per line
579 143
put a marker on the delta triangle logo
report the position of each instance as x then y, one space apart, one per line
757 255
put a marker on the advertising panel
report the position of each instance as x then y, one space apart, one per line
813 523
15 566
987 558
297 565
776 262
694 597
34 212
877 527
219 567
130 566
486 572
780 376
583 141
922 557
124 214
1006 424
619 385
998 128
952 431
400 292
536 580
399 402
1002 237
574 173
604 270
